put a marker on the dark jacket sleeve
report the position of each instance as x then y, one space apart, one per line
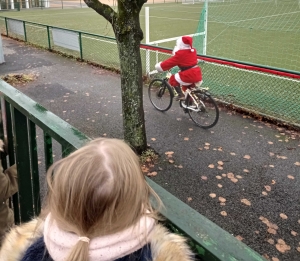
8 182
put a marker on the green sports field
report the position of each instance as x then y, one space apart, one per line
260 32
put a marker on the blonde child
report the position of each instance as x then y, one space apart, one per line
97 209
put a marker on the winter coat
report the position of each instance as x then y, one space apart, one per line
8 187
26 243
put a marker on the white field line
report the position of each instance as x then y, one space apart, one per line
263 17
218 35
101 40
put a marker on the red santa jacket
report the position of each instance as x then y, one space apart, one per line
183 59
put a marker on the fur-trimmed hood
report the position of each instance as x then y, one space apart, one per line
165 246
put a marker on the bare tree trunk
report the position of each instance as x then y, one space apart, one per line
126 26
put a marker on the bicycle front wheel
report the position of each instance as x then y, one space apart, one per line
205 112
160 95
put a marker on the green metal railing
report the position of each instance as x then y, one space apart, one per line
22 117
261 93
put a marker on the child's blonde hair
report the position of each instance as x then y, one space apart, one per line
98 190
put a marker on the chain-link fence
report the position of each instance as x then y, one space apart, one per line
61 4
275 95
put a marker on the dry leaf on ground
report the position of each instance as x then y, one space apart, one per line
211 166
220 163
221 199
246 202
268 188
230 175
291 177
297 163
186 138
234 180
294 233
239 238
204 177
169 152
218 177
283 216
152 174
247 157
271 241
220 186
189 199
171 161
153 139
212 195
281 246
272 231
223 213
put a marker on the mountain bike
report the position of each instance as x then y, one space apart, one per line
198 103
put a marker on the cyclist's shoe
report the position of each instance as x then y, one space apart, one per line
180 96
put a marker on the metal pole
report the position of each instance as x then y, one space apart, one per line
147 39
25 35
80 46
205 27
6 26
49 40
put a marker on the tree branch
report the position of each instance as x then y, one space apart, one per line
105 10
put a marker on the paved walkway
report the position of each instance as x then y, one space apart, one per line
243 174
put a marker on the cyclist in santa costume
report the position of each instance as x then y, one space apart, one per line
185 57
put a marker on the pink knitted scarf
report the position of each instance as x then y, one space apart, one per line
105 248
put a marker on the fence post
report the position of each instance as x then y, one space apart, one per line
80 46
49 40
25 35
6 26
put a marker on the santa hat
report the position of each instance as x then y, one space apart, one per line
185 42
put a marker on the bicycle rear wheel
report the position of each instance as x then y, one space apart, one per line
160 94
206 113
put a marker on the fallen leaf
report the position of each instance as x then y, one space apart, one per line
199 148
221 199
247 157
230 175
271 241
239 177
220 186
152 174
212 195
271 166
245 170
179 119
272 154
232 153
180 166
190 129
246 202
169 152
281 246
206 144
275 259
220 167
298 249
204 177
294 233
220 149
171 161
291 177
273 182
264 193
270 142
186 138
283 216
211 166
234 180
218 177
206 147
297 163
272 231
223 213
268 188
224 175
153 139
222 204
239 238
220 163
189 199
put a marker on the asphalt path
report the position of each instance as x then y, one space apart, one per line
243 174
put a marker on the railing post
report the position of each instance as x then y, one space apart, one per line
35 169
25 35
48 150
80 46
23 166
49 40
6 26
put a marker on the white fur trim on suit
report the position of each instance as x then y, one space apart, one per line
178 79
158 67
